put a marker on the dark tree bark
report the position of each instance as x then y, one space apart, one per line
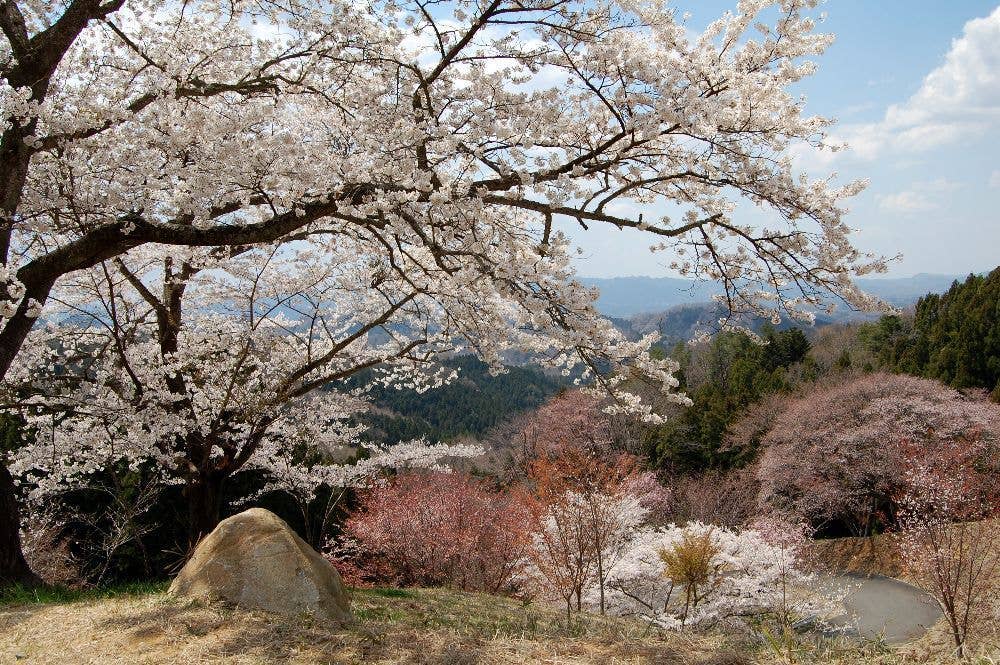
204 499
13 568
35 59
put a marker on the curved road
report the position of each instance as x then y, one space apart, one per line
883 606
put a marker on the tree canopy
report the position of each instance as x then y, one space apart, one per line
434 151
953 337
723 377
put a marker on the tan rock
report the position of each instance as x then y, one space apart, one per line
256 560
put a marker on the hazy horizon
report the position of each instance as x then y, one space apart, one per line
889 275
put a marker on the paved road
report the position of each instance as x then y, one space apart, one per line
884 606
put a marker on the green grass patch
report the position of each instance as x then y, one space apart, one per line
48 595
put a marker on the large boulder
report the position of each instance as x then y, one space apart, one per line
255 560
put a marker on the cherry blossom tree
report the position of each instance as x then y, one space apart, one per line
834 456
562 557
451 140
949 543
198 367
570 420
585 505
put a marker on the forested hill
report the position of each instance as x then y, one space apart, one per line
953 337
685 322
472 405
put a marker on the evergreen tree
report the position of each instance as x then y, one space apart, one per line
953 337
723 379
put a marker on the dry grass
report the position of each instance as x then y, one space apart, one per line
419 626
878 555
414 626
937 647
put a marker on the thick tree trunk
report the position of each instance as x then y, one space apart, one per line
204 497
13 568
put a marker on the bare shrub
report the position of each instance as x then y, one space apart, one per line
722 498
47 550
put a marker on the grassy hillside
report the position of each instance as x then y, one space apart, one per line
393 626
419 626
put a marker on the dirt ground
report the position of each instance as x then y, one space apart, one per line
878 555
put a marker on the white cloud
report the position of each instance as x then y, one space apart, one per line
995 179
905 202
959 98
920 197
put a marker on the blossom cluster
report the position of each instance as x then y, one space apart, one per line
444 149
746 574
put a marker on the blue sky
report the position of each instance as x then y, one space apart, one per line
915 86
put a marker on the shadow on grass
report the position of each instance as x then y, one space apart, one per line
19 595
386 593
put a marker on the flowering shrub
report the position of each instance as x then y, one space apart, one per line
700 575
439 529
585 504
302 481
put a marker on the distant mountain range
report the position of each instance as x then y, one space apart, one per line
629 296
685 322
